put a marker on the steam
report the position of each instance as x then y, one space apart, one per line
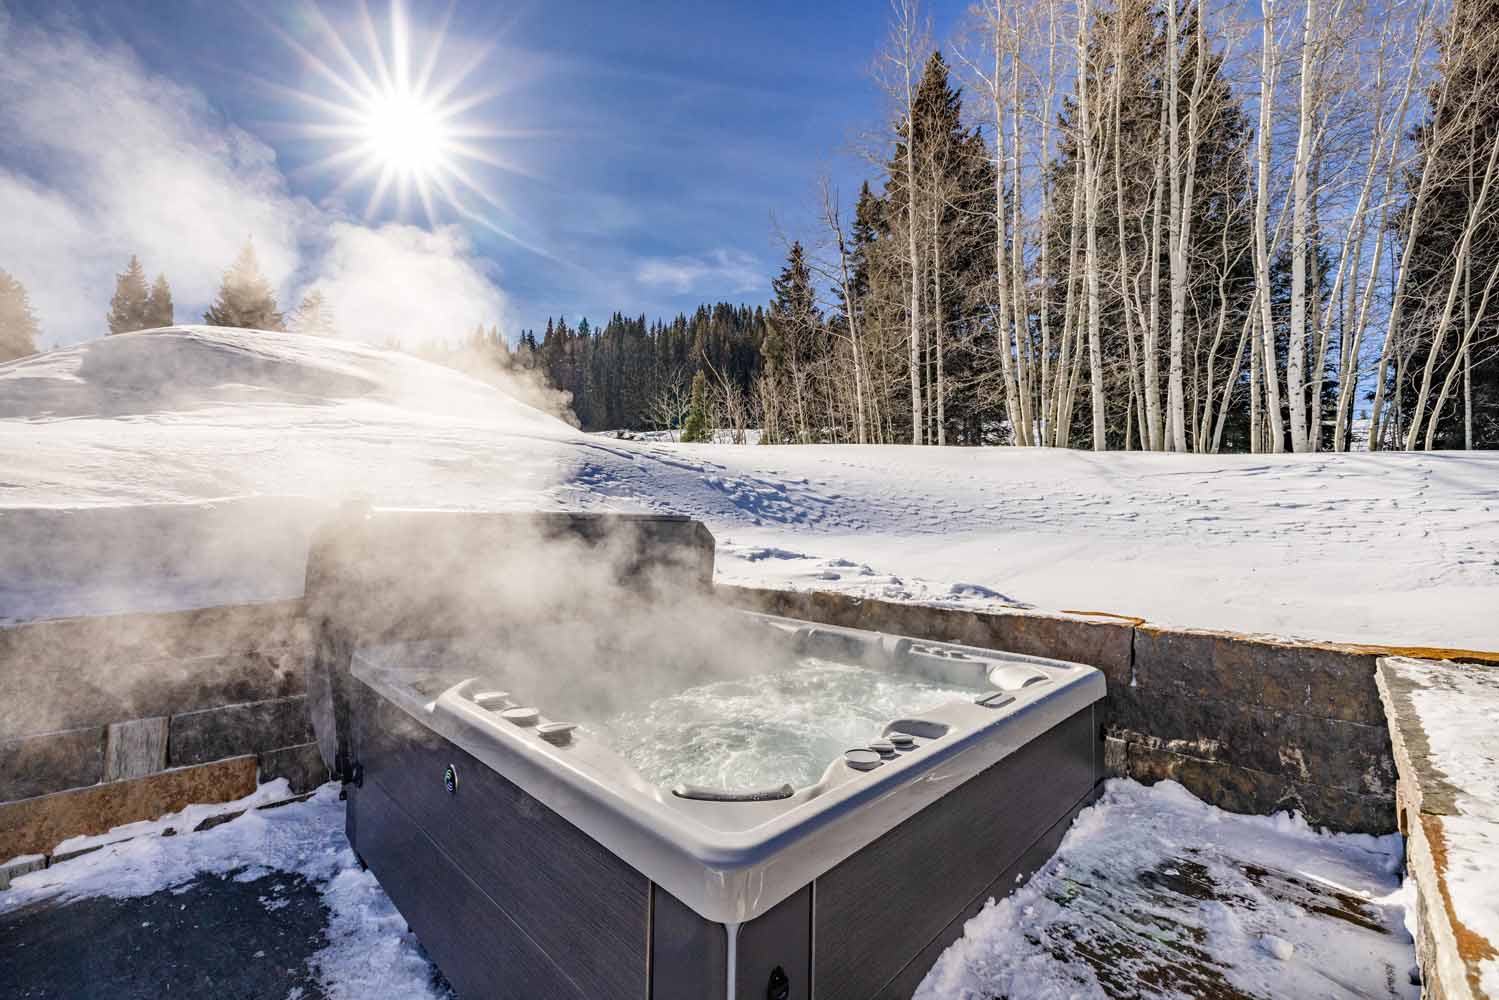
104 159
402 284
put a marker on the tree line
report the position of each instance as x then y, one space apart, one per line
245 299
1157 226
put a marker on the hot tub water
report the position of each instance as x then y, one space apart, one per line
766 729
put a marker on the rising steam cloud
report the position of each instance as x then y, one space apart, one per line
104 158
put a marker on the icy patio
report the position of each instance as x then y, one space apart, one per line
1152 895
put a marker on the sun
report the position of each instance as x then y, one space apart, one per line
406 135
400 124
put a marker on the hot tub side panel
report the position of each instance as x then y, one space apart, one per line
510 899
893 901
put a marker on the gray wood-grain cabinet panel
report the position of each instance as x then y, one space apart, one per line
780 938
689 955
577 901
480 949
908 885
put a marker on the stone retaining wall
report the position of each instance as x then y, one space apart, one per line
113 719
1252 725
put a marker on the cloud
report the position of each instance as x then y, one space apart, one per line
404 283
102 158
105 159
720 272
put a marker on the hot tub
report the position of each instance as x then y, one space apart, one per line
791 811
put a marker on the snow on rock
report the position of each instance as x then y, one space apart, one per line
1457 708
1155 894
1394 548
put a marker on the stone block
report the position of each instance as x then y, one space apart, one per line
302 766
93 671
1244 790
1347 755
135 749
51 762
36 825
1102 642
1312 679
97 693
230 730
16 867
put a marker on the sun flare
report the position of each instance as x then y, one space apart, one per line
406 135
400 121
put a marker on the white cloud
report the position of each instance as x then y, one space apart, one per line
102 159
720 272
404 283
120 161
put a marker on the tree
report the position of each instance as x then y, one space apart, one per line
793 331
18 327
696 429
314 316
1450 313
245 298
129 309
159 304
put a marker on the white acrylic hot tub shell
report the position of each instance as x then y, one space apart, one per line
732 861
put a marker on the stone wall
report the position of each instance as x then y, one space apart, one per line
112 719
1250 724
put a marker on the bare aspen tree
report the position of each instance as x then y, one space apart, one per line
1090 223
907 50
1269 365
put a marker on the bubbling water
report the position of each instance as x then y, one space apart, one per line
766 729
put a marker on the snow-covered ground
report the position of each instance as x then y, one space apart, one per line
260 433
1153 894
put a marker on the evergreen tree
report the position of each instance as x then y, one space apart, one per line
129 309
159 304
18 327
1468 127
1221 245
695 428
245 298
315 317
792 340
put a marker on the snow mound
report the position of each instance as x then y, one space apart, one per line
193 367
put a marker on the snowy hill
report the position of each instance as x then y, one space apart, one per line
188 465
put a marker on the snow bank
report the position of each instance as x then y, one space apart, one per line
1394 548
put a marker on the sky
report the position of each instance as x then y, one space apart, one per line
641 158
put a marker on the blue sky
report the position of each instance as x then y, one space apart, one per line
652 142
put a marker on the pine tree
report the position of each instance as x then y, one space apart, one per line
159 304
18 327
695 428
245 298
129 309
1468 127
315 317
792 337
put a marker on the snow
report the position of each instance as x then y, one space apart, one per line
1178 898
265 432
369 951
1257 930
1457 707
